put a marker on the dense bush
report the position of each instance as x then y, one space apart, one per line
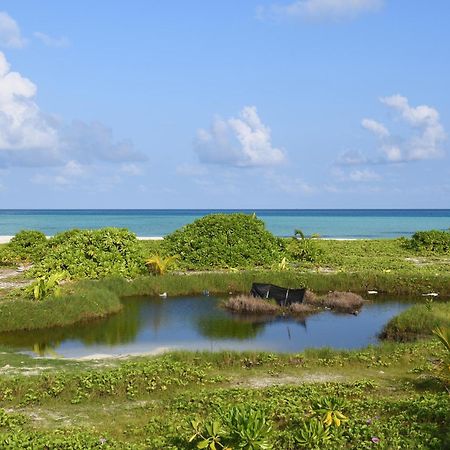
301 248
224 241
92 254
26 245
434 241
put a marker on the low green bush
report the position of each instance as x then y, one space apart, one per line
26 245
92 254
224 241
433 241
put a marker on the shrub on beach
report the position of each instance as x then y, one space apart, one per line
26 245
92 254
224 241
434 241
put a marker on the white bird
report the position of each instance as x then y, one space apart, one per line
163 295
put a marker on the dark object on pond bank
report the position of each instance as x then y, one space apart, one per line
283 296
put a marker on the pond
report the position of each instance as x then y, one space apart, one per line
152 325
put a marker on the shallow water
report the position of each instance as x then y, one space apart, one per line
148 324
343 223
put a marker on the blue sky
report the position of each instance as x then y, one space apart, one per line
224 104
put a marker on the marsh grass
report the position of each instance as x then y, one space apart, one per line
336 300
417 321
248 304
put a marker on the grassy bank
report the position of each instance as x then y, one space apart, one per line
418 321
389 395
77 304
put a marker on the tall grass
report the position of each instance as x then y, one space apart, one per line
83 304
417 321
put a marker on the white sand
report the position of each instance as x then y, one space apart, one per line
6 239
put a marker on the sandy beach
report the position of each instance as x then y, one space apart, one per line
6 239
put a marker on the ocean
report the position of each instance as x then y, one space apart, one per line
328 223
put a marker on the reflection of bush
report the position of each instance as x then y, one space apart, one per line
227 328
117 329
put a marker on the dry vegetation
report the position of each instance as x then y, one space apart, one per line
312 303
252 305
339 301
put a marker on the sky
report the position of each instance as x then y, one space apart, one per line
224 104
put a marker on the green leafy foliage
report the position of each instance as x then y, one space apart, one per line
224 241
432 241
26 245
249 429
45 286
92 254
159 265
302 248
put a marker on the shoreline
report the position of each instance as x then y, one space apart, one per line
5 239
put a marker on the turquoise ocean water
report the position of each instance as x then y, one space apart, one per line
326 222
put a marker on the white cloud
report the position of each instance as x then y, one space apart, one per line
23 127
10 35
426 144
30 137
320 10
375 127
242 142
422 139
50 41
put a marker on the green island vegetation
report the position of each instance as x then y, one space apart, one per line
394 395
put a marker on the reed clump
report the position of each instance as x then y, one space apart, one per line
251 305
302 309
335 300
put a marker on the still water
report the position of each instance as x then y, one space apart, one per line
148 324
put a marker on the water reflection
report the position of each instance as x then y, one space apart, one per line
148 324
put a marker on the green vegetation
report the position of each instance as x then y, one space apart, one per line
25 246
219 241
317 399
418 321
92 254
433 241
75 303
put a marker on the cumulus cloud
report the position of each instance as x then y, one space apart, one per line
426 143
375 127
241 142
10 34
50 41
422 140
320 10
30 137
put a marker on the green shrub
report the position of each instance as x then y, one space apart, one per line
26 245
301 248
434 241
224 241
92 254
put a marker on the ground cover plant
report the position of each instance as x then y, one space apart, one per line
380 397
